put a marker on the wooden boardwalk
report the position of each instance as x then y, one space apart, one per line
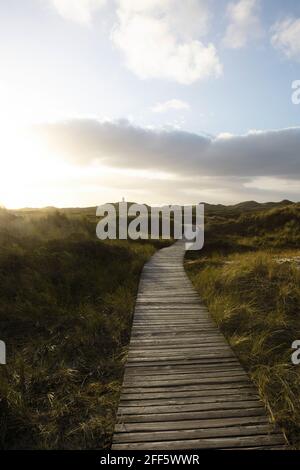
183 387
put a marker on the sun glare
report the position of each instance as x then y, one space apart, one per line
26 166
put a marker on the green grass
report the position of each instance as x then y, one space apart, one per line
256 302
66 305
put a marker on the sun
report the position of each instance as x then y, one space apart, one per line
26 168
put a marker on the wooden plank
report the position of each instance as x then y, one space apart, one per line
206 443
191 424
179 370
231 405
181 363
180 435
164 343
196 399
181 388
192 415
179 356
185 381
171 351
186 376
247 391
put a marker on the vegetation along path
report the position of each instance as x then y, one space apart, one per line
183 386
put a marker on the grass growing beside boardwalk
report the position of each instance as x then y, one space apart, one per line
66 305
255 300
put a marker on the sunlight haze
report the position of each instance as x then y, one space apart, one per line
155 101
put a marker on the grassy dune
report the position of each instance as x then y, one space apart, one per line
249 277
66 305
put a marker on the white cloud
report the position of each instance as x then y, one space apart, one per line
286 37
244 23
281 184
173 104
161 39
120 144
160 165
80 11
187 18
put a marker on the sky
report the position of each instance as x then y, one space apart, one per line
157 101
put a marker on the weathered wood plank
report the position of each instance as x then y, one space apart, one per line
196 399
191 387
192 415
247 391
192 376
206 443
190 424
179 370
180 435
231 405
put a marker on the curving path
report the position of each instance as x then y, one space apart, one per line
183 386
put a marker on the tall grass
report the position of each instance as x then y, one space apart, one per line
256 303
66 305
